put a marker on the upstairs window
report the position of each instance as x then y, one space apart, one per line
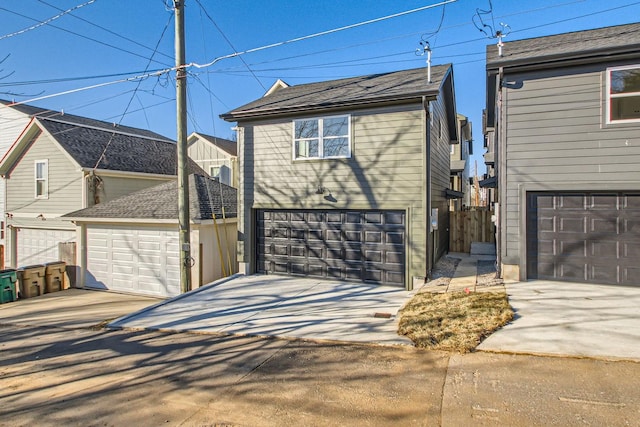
322 138
42 179
623 94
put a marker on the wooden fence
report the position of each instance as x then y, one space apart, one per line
470 226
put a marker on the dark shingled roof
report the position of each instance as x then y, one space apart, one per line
125 152
229 147
206 197
355 91
32 111
563 47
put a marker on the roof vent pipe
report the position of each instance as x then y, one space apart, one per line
500 35
426 48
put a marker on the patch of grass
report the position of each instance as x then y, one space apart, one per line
453 321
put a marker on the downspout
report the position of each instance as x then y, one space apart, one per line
501 173
430 242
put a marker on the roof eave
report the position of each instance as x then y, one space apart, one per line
403 99
564 60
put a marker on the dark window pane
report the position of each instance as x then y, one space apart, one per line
335 147
625 81
337 126
625 108
306 129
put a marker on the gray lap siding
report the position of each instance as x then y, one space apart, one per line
557 139
385 172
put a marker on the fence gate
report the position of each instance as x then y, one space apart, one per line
470 226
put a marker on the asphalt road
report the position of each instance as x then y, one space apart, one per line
89 377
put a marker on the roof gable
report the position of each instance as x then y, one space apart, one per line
207 197
227 146
93 148
33 111
355 91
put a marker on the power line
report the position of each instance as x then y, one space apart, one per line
81 35
322 33
46 21
229 43
108 30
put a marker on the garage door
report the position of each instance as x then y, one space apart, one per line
38 246
584 237
367 246
140 260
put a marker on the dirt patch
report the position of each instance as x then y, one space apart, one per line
454 321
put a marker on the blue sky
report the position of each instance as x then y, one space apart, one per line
116 39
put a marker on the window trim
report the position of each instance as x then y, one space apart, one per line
45 179
320 120
609 96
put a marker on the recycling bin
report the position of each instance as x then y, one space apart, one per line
32 280
8 280
55 276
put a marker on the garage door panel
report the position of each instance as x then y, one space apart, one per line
39 246
586 237
351 245
143 260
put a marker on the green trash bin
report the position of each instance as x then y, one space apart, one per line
55 276
31 280
8 280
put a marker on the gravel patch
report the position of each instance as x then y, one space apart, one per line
487 274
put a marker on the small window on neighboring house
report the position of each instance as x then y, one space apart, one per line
222 173
42 179
322 138
453 148
623 94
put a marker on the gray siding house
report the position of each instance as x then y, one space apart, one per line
340 179
563 114
460 167
61 164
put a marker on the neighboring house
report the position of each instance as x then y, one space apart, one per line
565 114
459 156
217 156
58 165
339 179
130 244
14 119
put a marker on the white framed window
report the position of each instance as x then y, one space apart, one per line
41 178
623 94
453 148
322 138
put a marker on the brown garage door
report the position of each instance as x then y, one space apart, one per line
367 246
584 236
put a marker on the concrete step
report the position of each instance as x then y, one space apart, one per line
481 248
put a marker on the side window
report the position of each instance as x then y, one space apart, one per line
623 94
41 174
322 138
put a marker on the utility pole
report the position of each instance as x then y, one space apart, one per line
183 177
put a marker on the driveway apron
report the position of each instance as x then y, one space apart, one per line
286 307
576 319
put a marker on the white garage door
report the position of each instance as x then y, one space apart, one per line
36 246
140 260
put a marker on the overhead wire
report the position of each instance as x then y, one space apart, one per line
135 91
47 21
114 33
229 43
81 35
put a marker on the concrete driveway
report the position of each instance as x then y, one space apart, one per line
576 319
72 308
285 307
